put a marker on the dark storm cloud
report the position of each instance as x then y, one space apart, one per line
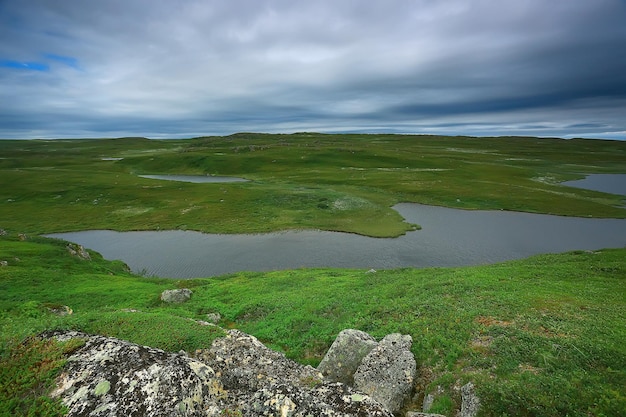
186 68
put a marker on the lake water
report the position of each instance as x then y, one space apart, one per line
608 183
194 178
449 237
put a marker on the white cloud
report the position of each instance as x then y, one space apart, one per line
214 67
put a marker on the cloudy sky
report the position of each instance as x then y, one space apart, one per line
184 68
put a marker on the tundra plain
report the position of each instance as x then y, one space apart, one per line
543 336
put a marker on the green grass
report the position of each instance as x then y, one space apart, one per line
301 181
541 336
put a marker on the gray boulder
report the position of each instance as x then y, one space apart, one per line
111 377
387 373
176 296
345 355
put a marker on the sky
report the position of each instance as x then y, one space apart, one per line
187 68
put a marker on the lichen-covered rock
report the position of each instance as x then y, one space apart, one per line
388 371
176 296
262 382
345 355
245 363
329 400
78 251
111 377
238 375
470 403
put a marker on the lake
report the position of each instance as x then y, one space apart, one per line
607 183
449 237
194 178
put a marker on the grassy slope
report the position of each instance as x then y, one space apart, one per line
331 182
542 336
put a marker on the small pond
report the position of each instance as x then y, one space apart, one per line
194 178
449 237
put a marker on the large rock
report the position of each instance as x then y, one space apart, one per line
345 355
176 296
238 375
262 382
388 371
111 377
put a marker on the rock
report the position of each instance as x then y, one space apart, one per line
60 310
329 400
3 232
176 296
262 382
237 376
245 363
345 355
470 403
421 414
22 237
78 251
388 371
111 377
4 263
213 317
429 398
